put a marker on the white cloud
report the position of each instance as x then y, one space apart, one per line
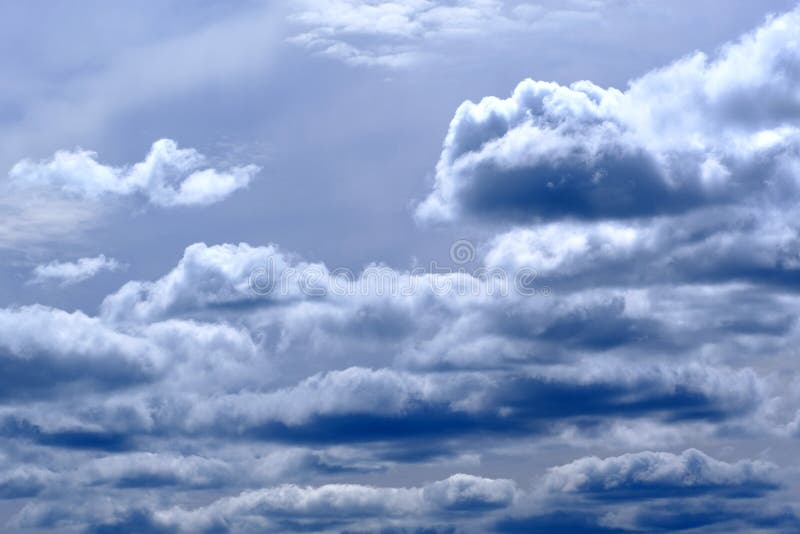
168 176
67 273
400 33
355 504
698 132
660 471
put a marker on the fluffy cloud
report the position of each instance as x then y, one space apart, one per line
760 247
45 352
168 176
656 474
222 276
652 491
73 272
43 349
699 132
638 491
362 405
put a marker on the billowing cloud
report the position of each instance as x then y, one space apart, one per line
700 132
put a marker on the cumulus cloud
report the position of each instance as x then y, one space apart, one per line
44 348
660 474
208 277
67 272
652 491
168 176
249 390
702 131
322 508
46 351
638 491
760 247
356 404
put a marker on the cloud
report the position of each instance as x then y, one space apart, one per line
23 481
466 492
44 349
647 475
220 276
336 27
428 321
700 132
168 176
165 62
652 491
37 218
289 507
401 33
647 490
756 246
359 405
150 470
67 273
249 390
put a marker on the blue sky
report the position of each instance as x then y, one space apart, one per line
399 266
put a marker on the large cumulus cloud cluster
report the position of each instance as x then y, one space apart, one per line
700 132
654 388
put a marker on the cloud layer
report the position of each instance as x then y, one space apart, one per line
242 389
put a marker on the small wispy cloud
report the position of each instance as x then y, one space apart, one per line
399 33
68 273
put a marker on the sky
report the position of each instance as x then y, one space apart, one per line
399 266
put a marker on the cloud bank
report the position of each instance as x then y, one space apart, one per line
652 389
